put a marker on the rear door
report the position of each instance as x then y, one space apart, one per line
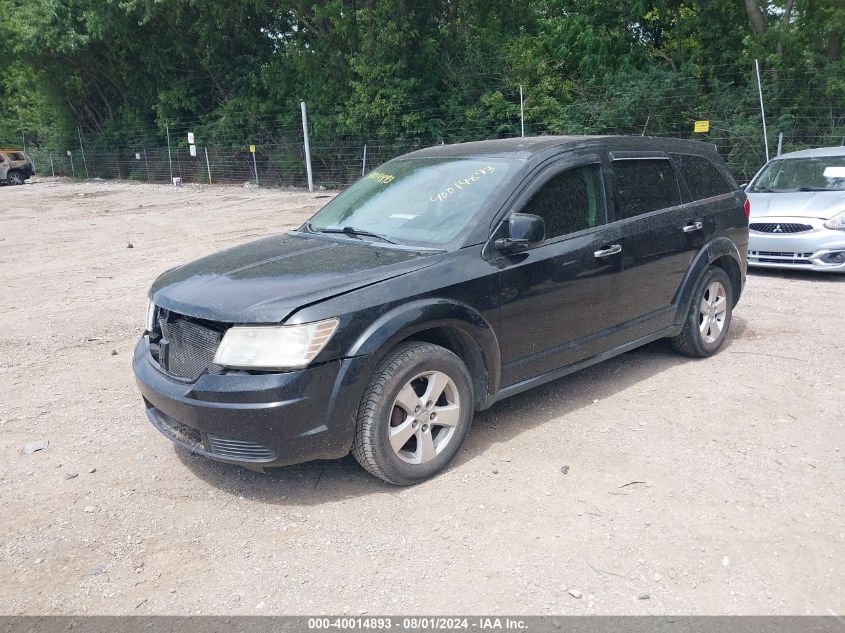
660 234
556 297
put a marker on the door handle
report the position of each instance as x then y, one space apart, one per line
693 226
607 252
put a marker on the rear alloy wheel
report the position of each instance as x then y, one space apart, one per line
15 178
414 415
709 318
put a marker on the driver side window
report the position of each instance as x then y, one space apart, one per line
571 201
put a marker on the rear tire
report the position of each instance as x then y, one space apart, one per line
414 415
709 317
15 178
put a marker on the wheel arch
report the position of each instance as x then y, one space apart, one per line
721 252
456 326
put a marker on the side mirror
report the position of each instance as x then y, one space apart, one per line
524 231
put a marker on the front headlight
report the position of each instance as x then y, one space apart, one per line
837 222
151 315
274 347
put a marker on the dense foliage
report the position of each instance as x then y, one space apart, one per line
121 71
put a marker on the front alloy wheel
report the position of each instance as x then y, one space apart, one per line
415 414
424 417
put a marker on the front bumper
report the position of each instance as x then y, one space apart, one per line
256 420
819 249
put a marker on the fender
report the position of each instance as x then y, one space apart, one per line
417 316
709 253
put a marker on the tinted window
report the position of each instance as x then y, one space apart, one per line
16 156
645 185
571 201
702 177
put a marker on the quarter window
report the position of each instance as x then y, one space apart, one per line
571 201
645 185
701 176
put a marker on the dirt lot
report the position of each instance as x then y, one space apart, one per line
712 486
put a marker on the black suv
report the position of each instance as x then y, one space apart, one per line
440 283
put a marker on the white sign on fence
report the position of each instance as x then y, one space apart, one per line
137 155
193 150
190 138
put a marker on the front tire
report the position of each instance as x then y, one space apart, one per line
414 415
709 318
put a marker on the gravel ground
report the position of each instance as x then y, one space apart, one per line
649 484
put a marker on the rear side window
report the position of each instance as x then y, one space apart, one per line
16 156
645 185
571 201
701 176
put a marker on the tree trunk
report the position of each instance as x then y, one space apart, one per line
755 17
787 14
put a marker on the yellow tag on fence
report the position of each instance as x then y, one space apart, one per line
701 126
252 149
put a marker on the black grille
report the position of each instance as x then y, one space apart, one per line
774 227
197 441
240 450
187 347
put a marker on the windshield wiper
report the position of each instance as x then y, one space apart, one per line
351 230
763 189
814 189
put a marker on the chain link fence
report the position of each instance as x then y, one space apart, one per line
735 127
334 165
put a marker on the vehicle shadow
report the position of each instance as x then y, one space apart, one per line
325 481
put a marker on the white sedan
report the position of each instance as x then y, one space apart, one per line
798 211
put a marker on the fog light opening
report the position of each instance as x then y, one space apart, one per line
834 258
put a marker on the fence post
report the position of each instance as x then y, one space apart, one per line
72 169
207 165
762 109
780 143
147 165
364 163
169 160
307 146
254 164
117 164
521 111
82 149
52 169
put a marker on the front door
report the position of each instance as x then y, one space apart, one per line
556 297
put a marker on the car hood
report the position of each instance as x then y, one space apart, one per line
266 280
803 204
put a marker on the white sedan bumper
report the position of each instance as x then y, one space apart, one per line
796 243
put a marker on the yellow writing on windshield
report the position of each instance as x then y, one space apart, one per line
461 184
379 177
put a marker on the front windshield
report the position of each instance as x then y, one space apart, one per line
820 173
416 201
